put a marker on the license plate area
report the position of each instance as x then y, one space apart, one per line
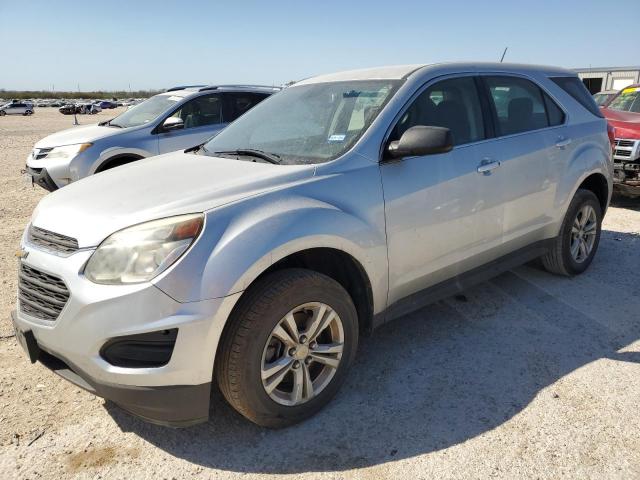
27 341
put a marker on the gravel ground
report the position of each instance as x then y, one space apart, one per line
526 376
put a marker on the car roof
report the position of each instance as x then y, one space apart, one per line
187 90
398 72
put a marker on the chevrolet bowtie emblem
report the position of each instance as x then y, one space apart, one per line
22 254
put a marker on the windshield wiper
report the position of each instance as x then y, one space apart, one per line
196 148
250 152
111 124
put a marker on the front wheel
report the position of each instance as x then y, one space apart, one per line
288 347
2 113
577 243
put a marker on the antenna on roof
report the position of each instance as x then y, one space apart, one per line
503 54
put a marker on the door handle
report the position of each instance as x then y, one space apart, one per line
487 166
563 142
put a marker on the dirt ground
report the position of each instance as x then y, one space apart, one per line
526 376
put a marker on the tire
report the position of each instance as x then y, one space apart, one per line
2 113
28 112
560 260
241 363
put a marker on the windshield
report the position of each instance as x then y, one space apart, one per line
602 98
627 101
145 112
307 124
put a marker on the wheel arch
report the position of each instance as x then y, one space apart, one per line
597 183
117 160
341 267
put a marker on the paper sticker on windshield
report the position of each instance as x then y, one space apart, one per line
175 99
630 90
337 138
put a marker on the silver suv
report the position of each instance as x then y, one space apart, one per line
336 205
177 119
16 108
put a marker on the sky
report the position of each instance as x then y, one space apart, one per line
140 44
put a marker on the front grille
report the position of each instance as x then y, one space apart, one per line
626 149
40 153
622 153
41 295
52 241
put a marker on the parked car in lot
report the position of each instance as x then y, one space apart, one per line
166 122
90 108
623 113
69 109
106 104
604 97
16 108
339 204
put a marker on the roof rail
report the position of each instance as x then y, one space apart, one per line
256 87
183 87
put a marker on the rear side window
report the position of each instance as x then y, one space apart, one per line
574 87
237 104
520 105
554 112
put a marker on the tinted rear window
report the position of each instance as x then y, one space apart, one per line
574 87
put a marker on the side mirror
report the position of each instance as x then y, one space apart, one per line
421 140
172 123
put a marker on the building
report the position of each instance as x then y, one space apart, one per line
608 78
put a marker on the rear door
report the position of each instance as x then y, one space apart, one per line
531 147
443 212
202 118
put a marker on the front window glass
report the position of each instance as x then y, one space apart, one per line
145 112
453 104
628 100
202 111
309 123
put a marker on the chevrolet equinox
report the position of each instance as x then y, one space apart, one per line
347 200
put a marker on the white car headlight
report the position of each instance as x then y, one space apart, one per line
68 151
139 253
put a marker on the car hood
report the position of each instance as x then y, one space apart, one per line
83 134
627 124
171 184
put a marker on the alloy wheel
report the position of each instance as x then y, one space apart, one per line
583 233
302 354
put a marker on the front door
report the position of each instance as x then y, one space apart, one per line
202 119
444 212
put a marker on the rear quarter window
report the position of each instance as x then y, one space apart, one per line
574 87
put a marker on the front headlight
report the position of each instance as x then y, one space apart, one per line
139 253
68 151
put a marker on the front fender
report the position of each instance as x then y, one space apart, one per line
249 237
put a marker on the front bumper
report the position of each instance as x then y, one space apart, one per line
176 393
41 177
172 405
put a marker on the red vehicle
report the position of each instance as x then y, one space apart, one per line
623 113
